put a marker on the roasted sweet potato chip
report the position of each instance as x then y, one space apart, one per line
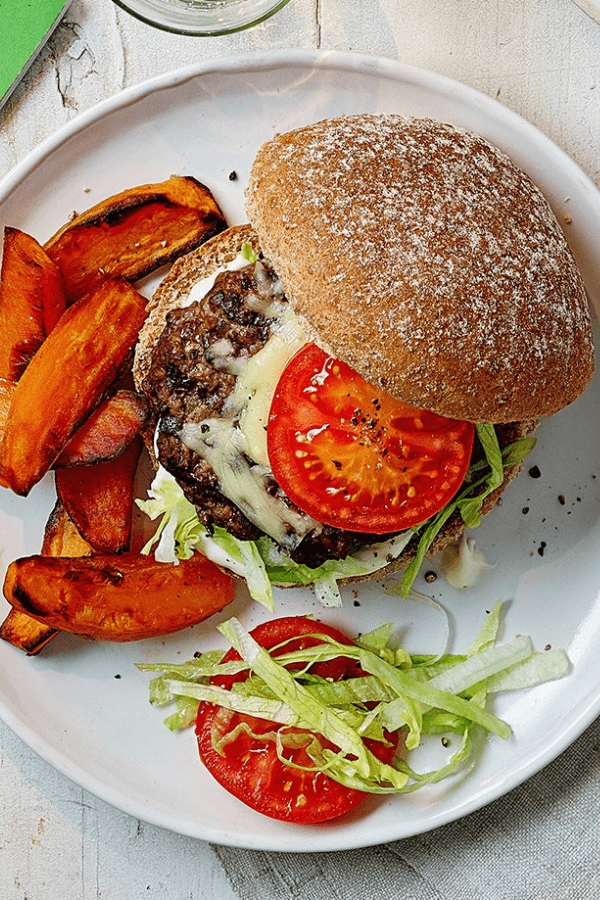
117 598
99 499
133 233
67 378
25 633
61 538
32 299
106 433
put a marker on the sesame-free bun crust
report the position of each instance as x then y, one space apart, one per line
174 289
424 258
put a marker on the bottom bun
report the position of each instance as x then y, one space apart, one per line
173 290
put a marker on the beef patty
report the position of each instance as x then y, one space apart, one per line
190 379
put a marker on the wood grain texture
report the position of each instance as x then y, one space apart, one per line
57 841
539 58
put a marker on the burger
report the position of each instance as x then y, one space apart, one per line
346 383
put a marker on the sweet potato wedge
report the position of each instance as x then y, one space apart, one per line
107 431
7 389
66 380
117 598
99 499
32 299
61 538
25 633
134 232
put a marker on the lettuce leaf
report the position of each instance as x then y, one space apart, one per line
418 695
261 563
467 502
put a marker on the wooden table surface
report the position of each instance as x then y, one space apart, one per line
541 58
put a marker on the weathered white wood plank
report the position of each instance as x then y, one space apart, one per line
58 842
541 58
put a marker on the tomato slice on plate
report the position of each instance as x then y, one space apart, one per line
250 768
352 456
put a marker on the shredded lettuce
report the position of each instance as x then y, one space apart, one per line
469 499
248 253
180 533
261 563
417 695
281 569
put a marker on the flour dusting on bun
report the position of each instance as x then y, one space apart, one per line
429 262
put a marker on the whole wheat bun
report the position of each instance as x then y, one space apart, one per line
419 254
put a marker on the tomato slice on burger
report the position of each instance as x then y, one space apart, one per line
352 456
240 751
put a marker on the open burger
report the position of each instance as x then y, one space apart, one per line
345 384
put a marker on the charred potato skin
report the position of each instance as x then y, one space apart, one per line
117 598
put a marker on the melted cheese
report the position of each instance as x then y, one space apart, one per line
219 442
235 445
255 386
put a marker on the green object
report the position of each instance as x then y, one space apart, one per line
259 562
25 25
419 695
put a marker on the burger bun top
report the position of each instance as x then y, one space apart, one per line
424 258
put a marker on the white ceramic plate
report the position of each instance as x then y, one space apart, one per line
591 7
98 729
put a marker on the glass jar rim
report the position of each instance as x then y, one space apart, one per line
201 18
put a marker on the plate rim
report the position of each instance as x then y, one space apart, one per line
590 8
231 65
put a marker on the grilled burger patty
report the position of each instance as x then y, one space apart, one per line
192 376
